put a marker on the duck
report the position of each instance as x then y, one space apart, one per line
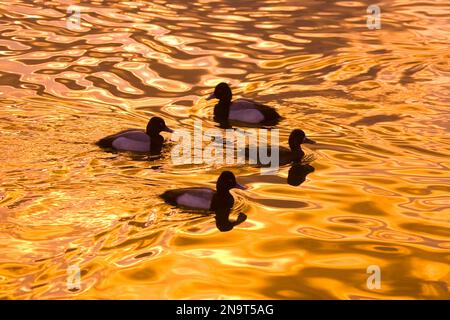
292 155
241 110
205 199
137 140
200 198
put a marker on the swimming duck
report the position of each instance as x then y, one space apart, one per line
205 198
138 140
220 201
242 110
293 155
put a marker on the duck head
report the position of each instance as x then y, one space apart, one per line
296 139
156 125
227 181
222 92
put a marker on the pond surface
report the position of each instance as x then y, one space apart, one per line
376 101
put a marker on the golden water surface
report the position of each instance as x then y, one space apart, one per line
376 101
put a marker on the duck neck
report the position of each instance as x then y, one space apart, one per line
297 154
224 199
156 142
153 134
222 109
223 191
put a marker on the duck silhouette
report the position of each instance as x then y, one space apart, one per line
294 154
138 140
241 110
220 200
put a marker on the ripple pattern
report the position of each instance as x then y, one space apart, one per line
376 101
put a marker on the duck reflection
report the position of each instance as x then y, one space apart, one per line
223 222
298 172
296 176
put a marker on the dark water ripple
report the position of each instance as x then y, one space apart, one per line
375 101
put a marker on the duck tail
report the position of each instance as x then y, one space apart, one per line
170 197
105 142
271 116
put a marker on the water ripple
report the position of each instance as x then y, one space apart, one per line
376 101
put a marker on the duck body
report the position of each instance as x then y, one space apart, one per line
245 111
137 140
241 110
128 140
285 156
288 156
190 198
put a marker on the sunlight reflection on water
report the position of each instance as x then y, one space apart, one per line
376 101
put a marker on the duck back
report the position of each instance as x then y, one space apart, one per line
106 142
253 112
130 134
192 198
246 115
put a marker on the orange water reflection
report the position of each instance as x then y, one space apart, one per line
376 101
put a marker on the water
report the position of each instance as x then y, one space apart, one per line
376 101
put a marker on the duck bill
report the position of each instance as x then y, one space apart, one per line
166 129
212 96
240 186
307 140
